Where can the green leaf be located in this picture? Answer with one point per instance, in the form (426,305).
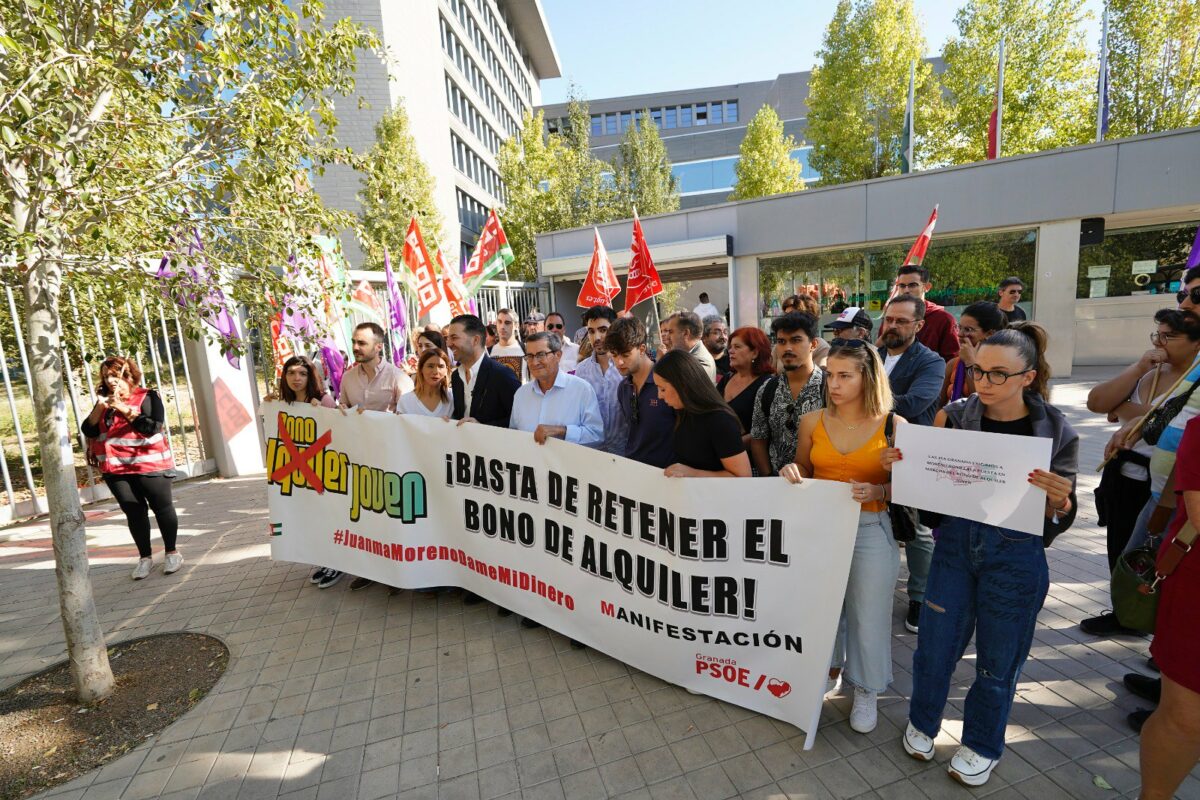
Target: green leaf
(10,138)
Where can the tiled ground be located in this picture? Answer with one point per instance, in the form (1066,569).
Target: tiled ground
(333,694)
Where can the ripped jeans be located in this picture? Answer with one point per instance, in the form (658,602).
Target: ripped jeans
(990,582)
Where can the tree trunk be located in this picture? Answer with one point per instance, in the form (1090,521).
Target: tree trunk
(88,653)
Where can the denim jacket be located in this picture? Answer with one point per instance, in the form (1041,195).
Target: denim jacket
(1048,422)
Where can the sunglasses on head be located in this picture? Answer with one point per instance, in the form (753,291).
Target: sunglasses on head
(1193,293)
(849,344)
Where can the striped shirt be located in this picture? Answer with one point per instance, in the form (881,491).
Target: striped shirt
(1162,462)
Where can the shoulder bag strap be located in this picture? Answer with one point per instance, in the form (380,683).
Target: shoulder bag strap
(1179,547)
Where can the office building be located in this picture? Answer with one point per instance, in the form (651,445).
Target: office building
(466,71)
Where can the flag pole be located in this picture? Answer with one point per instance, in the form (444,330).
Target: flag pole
(1102,85)
(1000,101)
(912,75)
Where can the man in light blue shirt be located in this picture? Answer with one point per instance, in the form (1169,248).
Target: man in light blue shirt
(602,374)
(554,404)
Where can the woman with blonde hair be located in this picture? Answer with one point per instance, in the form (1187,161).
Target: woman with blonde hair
(845,441)
(431,395)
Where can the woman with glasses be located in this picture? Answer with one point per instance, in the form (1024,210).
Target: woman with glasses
(750,365)
(845,442)
(977,322)
(1125,484)
(986,581)
(708,436)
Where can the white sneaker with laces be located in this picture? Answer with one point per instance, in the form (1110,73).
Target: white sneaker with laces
(971,769)
(142,569)
(917,744)
(864,714)
(833,687)
(172,563)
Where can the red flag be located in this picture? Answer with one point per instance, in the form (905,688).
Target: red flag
(601,285)
(643,282)
(416,258)
(280,344)
(492,254)
(452,287)
(916,253)
(364,296)
(991,132)
(996,118)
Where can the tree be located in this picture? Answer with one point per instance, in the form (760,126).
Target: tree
(1154,65)
(1049,80)
(396,185)
(858,92)
(127,129)
(529,165)
(642,172)
(584,193)
(765,166)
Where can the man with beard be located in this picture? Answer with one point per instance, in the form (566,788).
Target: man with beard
(716,340)
(784,399)
(507,350)
(915,373)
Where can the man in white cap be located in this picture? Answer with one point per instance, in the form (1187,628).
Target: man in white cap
(852,323)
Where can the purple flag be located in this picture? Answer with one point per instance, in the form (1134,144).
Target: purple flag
(335,365)
(397,313)
(296,320)
(1194,256)
(199,290)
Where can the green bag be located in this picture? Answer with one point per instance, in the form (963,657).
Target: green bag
(1136,579)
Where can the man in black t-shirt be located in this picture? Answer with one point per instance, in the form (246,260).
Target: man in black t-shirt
(1011,290)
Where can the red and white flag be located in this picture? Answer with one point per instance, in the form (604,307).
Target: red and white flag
(416,258)
(601,285)
(491,257)
(453,289)
(996,118)
(916,254)
(642,282)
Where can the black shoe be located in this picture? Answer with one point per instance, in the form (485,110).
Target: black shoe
(1144,686)
(360,583)
(526,622)
(318,576)
(913,620)
(501,611)
(1106,624)
(1138,718)
(471,599)
(1152,665)
(332,576)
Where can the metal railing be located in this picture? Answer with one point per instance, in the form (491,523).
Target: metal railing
(142,328)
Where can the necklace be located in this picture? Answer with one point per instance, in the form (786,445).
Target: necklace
(847,425)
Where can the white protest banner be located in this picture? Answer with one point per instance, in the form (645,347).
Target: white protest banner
(728,587)
(972,474)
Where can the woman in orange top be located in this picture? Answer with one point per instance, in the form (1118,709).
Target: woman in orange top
(844,442)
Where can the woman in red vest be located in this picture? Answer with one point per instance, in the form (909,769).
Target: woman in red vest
(126,440)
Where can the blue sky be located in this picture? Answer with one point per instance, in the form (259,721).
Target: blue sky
(620,47)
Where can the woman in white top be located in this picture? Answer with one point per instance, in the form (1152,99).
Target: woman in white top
(431,397)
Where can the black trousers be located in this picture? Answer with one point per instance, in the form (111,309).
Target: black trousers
(137,493)
(1129,499)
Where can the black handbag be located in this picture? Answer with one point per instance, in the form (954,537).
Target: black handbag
(904,518)
(1157,420)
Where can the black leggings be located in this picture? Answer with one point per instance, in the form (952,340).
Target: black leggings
(135,493)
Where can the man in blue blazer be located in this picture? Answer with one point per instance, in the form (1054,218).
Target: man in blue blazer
(915,373)
(482,389)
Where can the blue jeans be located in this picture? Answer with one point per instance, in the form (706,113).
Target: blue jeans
(864,637)
(990,582)
(918,553)
(1141,528)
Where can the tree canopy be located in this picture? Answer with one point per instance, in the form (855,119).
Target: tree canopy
(765,166)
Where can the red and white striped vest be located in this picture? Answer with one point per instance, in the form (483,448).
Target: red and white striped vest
(120,450)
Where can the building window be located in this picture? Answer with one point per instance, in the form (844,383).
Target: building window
(731,111)
(552,126)
(716,114)
(701,114)
(595,124)
(963,270)
(656,115)
(626,119)
(610,124)
(1135,261)
(638,120)
(685,116)
(670,118)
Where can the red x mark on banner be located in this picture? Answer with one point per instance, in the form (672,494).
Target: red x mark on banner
(299,460)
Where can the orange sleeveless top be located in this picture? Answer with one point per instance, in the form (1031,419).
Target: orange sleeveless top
(862,465)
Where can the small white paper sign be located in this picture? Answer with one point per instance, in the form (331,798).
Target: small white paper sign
(1099,288)
(1145,267)
(1100,272)
(971,474)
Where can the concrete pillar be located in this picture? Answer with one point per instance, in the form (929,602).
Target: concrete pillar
(225,401)
(1055,279)
(743,291)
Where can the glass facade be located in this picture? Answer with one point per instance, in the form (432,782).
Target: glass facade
(716,174)
(1135,261)
(962,269)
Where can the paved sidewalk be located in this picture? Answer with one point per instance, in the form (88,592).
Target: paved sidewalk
(334,694)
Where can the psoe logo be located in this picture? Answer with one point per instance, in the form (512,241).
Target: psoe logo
(727,670)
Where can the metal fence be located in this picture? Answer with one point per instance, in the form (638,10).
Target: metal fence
(142,328)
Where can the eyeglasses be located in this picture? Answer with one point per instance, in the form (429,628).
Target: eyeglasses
(899,322)
(554,327)
(996,377)
(905,287)
(1163,338)
(1193,293)
(967,330)
(849,344)
(531,357)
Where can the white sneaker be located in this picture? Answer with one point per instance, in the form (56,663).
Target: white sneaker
(971,769)
(917,744)
(172,563)
(833,687)
(864,715)
(142,569)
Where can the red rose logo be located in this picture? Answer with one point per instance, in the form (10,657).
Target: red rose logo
(780,689)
